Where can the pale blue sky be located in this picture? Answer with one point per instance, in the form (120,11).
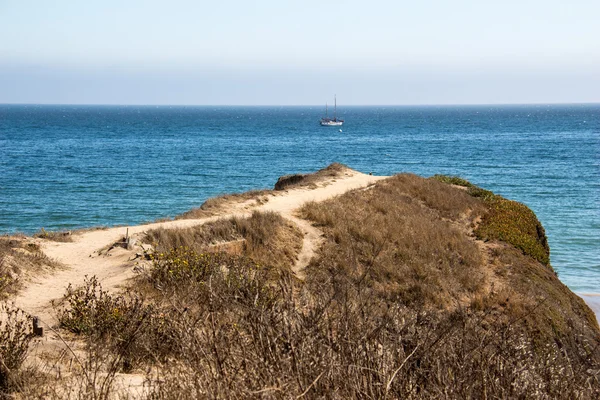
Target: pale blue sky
(299,52)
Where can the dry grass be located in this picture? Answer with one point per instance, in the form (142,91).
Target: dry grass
(397,237)
(55,236)
(265,237)
(218,205)
(450,202)
(18,256)
(303,180)
(531,285)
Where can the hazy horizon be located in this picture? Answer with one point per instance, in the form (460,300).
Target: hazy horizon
(304,105)
(271,53)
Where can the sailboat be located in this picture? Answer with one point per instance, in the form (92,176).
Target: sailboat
(326,121)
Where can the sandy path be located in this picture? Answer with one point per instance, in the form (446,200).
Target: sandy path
(81,257)
(311,242)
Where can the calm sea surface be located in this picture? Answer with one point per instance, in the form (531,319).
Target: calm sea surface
(64,167)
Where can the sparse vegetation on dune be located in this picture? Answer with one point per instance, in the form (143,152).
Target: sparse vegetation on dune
(217,205)
(309,180)
(403,300)
(19,256)
(55,236)
(265,237)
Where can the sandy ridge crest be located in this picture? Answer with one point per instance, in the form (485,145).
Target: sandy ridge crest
(81,257)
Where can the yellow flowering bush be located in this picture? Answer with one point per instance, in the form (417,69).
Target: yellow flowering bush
(218,278)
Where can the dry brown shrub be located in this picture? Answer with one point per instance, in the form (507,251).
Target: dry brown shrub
(334,339)
(15,336)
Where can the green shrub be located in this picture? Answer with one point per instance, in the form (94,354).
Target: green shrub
(515,223)
(452,180)
(480,193)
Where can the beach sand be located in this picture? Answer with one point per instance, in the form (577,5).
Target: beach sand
(592,300)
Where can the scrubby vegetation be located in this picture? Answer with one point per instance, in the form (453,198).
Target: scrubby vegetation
(230,328)
(265,237)
(304,180)
(403,300)
(15,336)
(56,236)
(126,325)
(18,257)
(216,205)
(508,221)
(453,180)
(514,223)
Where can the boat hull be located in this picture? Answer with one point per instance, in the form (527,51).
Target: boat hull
(332,123)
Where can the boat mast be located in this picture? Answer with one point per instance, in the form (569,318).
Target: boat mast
(334,107)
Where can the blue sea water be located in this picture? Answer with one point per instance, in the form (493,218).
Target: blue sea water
(64,167)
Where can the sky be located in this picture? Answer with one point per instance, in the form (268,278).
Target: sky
(267,52)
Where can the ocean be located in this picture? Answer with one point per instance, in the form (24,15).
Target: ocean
(67,167)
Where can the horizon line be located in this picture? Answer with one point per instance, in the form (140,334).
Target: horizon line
(303,105)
